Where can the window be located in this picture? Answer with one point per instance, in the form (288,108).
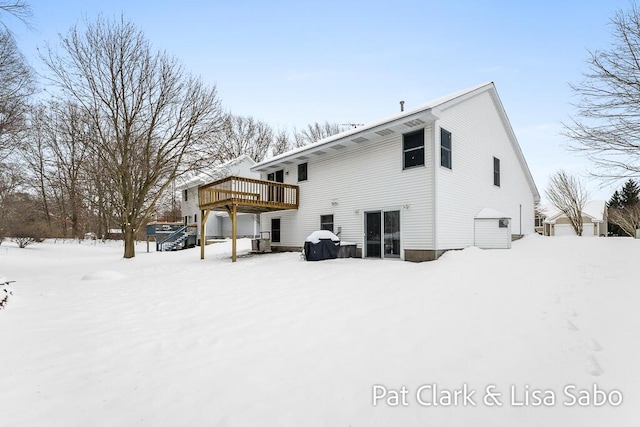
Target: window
(539,221)
(185,195)
(326,222)
(445,148)
(503,223)
(413,149)
(276,193)
(275,230)
(302,172)
(277,176)
(496,172)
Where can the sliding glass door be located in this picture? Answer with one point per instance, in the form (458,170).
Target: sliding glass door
(392,234)
(382,231)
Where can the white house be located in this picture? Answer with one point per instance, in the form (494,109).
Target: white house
(594,220)
(219,224)
(412,185)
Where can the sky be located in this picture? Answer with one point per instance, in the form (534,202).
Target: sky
(290,63)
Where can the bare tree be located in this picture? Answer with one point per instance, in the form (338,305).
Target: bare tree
(281,143)
(607,128)
(11,180)
(627,218)
(67,129)
(315,132)
(16,8)
(16,86)
(243,135)
(36,157)
(149,117)
(102,202)
(567,193)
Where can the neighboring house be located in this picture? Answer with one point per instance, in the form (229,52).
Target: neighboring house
(540,216)
(413,185)
(594,220)
(219,224)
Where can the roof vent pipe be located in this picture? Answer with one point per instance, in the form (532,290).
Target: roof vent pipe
(401,106)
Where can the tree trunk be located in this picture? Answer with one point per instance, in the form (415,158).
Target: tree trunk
(129,241)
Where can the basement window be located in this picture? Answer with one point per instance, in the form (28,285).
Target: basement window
(326,222)
(413,149)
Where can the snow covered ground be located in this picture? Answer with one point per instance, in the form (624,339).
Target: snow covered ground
(165,339)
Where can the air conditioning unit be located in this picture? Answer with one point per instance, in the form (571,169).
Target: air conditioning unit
(265,241)
(263,244)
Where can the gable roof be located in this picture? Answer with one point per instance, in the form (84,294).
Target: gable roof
(400,123)
(549,211)
(594,209)
(213,173)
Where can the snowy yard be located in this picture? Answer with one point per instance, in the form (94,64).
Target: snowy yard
(91,339)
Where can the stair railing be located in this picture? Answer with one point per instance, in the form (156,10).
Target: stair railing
(160,246)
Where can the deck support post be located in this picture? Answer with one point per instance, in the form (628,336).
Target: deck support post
(234,230)
(203,228)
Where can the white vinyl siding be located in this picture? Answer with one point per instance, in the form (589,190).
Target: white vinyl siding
(245,225)
(362,177)
(480,135)
(489,235)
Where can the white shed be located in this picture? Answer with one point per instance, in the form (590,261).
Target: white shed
(492,229)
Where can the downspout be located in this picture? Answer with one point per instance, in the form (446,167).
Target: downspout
(434,192)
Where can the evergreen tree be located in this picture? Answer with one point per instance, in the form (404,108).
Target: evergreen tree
(615,200)
(629,194)
(623,209)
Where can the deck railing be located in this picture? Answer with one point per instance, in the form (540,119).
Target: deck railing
(248,192)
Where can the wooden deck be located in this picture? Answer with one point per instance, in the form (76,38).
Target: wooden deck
(236,194)
(248,195)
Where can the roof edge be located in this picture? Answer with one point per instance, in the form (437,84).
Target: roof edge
(435,103)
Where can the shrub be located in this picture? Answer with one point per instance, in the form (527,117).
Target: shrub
(27,235)
(23,241)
